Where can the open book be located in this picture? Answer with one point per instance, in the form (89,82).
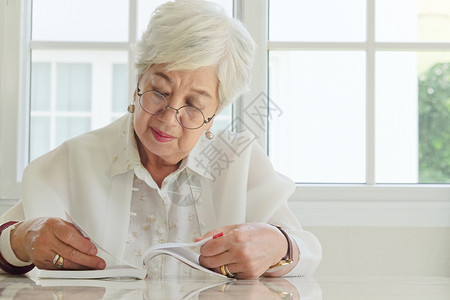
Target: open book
(122,270)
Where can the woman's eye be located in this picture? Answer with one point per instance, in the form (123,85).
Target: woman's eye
(161,92)
(189,103)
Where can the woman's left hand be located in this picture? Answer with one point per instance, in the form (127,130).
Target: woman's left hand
(247,250)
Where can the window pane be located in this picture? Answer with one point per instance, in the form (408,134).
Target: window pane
(412,117)
(145,9)
(40,86)
(319,20)
(73,86)
(320,135)
(80,20)
(434,121)
(119,87)
(68,127)
(83,87)
(418,20)
(39,136)
(396,117)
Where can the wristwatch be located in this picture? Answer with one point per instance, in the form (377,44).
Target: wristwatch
(287,259)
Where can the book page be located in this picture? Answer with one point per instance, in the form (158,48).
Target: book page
(180,252)
(185,256)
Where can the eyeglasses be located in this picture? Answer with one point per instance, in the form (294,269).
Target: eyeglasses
(188,116)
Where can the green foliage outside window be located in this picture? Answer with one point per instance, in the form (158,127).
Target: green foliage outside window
(434,125)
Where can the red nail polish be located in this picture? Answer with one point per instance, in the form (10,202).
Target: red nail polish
(217,235)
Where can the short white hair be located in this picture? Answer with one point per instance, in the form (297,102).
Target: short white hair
(189,34)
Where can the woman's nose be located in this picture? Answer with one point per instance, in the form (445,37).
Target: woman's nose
(169,115)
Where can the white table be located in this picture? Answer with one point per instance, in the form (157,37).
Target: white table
(318,288)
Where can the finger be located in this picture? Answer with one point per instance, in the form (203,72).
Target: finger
(70,235)
(208,234)
(70,265)
(216,261)
(233,268)
(215,247)
(76,257)
(47,261)
(237,271)
(241,271)
(223,230)
(222,244)
(74,247)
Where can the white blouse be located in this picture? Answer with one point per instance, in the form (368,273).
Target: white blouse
(160,216)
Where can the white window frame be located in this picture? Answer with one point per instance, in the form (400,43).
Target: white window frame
(366,204)
(10,94)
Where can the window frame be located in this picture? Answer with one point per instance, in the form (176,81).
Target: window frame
(11,16)
(350,204)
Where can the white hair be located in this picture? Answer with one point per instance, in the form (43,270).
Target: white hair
(189,34)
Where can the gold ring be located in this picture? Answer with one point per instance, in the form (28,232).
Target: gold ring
(224,270)
(60,262)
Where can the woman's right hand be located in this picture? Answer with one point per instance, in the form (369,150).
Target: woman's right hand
(39,240)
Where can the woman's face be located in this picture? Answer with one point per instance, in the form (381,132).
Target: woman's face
(161,135)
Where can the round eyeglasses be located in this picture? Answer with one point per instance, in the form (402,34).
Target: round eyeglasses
(188,116)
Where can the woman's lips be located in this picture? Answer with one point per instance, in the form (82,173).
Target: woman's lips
(161,136)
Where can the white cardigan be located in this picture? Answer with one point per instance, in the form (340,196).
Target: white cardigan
(91,177)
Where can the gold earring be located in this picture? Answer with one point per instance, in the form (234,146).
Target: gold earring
(209,134)
(130,108)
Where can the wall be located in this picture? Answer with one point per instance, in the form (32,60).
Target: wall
(376,238)
(384,251)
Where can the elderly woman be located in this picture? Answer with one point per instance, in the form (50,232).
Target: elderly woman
(153,176)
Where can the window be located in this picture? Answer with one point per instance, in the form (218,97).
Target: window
(364,89)
(73,92)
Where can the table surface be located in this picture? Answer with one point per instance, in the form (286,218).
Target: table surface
(210,287)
